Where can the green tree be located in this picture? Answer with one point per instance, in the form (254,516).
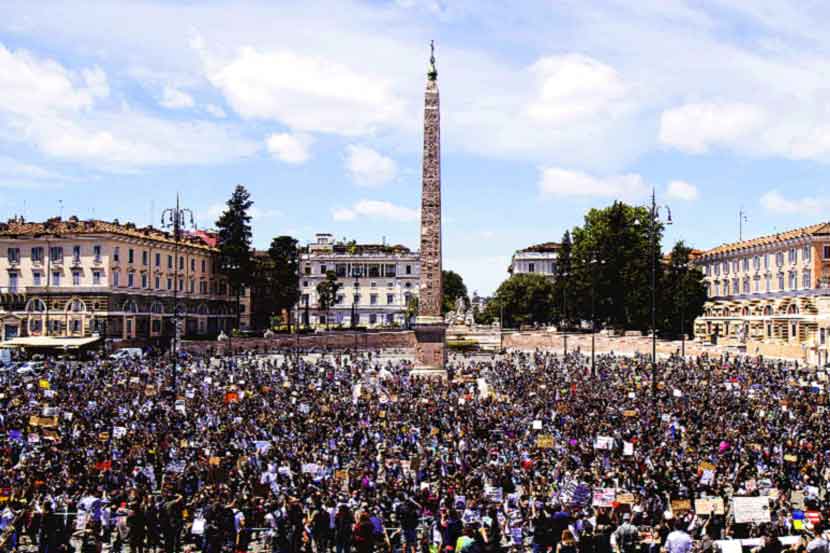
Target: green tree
(284,257)
(411,310)
(523,299)
(327,293)
(454,288)
(235,258)
(563,290)
(611,262)
(683,292)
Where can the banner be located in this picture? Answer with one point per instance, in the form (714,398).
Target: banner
(544,441)
(604,442)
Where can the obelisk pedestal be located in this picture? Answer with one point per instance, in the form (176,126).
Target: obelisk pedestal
(430,330)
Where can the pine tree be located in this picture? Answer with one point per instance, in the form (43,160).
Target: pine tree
(235,258)
(285,273)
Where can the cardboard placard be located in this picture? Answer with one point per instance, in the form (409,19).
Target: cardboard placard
(604,497)
(681,506)
(214,461)
(626,498)
(544,441)
(709,506)
(630,413)
(43,384)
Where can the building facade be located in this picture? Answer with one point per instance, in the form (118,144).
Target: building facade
(377,283)
(770,295)
(539,259)
(78,278)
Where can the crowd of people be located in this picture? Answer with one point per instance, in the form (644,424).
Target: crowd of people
(346,452)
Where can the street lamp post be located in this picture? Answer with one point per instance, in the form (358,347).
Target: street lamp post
(594,260)
(654,218)
(176,218)
(565,312)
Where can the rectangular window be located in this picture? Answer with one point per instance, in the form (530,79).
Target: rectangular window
(339,299)
(806,282)
(779,259)
(169,283)
(158,260)
(56,254)
(735,286)
(717,269)
(76,278)
(768,282)
(793,280)
(192,265)
(322,269)
(807,253)
(96,278)
(373,319)
(746,286)
(390,270)
(827,251)
(14,255)
(181,285)
(756,262)
(757,284)
(781,281)
(390,299)
(130,256)
(307,269)
(158,283)
(37,255)
(531,267)
(793,255)
(409,269)
(726,267)
(116,253)
(340,270)
(96,252)
(56,278)
(746,263)
(204,266)
(12,282)
(373,299)
(181,263)
(169,261)
(116,279)
(130,280)
(355,299)
(76,254)
(143,280)
(36,278)
(192,286)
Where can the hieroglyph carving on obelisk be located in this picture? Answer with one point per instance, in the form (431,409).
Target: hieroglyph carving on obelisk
(431,287)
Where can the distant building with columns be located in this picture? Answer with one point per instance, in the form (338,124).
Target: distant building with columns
(378,281)
(770,295)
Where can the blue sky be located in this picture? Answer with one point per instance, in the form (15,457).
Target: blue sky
(548,108)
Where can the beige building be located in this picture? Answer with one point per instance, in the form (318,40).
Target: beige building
(76,278)
(377,283)
(770,295)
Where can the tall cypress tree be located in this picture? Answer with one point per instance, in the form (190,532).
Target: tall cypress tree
(285,273)
(235,257)
(563,289)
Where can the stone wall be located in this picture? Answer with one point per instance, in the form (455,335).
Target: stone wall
(620,344)
(404,339)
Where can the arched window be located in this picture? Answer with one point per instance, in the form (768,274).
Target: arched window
(130,307)
(745,312)
(792,310)
(157,308)
(202,309)
(75,305)
(35,305)
(768,311)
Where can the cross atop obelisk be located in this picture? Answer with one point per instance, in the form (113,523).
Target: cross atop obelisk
(430,333)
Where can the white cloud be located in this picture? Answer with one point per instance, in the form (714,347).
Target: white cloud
(775,202)
(216,111)
(64,115)
(367,167)
(290,148)
(574,87)
(558,182)
(375,209)
(173,98)
(307,93)
(682,190)
(214,211)
(694,128)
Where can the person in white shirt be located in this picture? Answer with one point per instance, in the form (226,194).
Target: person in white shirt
(678,541)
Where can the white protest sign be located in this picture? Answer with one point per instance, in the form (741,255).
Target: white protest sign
(604,497)
(751,509)
(604,442)
(537,425)
(628,449)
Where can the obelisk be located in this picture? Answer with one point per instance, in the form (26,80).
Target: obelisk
(430,331)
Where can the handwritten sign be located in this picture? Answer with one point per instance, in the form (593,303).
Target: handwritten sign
(710,506)
(604,442)
(680,506)
(751,510)
(626,498)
